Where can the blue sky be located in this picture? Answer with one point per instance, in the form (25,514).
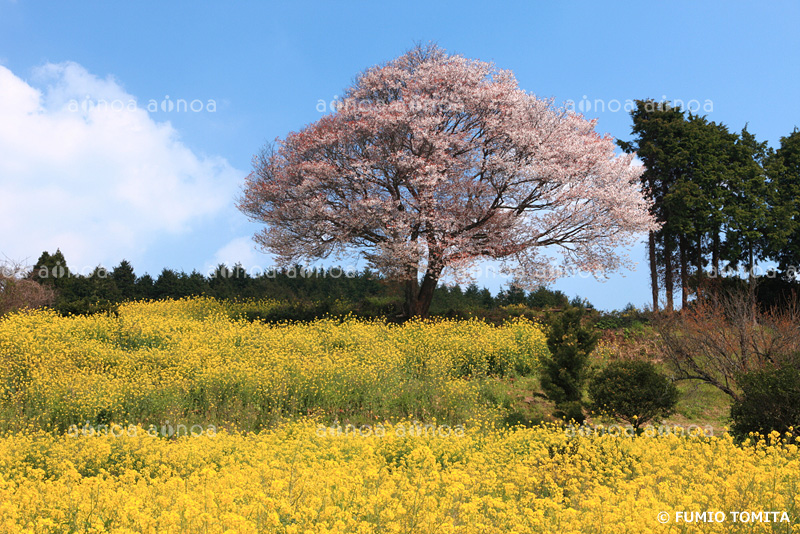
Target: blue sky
(156,186)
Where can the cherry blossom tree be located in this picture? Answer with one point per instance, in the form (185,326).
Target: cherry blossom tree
(431,163)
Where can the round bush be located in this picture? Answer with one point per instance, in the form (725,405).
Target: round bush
(770,401)
(632,391)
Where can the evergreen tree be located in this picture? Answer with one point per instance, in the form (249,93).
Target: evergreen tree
(220,282)
(145,287)
(659,131)
(784,238)
(545,298)
(748,207)
(511,296)
(195,284)
(699,197)
(487,301)
(103,287)
(565,371)
(125,280)
(633,391)
(703,181)
(167,285)
(52,270)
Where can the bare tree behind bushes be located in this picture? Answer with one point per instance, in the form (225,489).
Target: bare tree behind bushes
(725,334)
(18,292)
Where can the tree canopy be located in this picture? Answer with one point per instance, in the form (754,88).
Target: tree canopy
(724,199)
(432,162)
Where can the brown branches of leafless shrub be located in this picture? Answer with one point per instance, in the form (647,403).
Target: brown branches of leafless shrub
(725,334)
(17,292)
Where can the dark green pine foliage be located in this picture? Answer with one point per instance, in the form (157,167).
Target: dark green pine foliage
(709,190)
(125,280)
(168,285)
(770,401)
(749,207)
(565,371)
(700,195)
(306,292)
(145,287)
(51,269)
(633,391)
(783,167)
(660,143)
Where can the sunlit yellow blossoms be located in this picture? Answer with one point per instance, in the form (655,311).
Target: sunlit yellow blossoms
(180,417)
(194,362)
(292,480)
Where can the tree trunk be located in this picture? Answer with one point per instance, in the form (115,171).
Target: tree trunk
(419,296)
(715,255)
(426,290)
(698,260)
(412,290)
(669,281)
(653,270)
(684,259)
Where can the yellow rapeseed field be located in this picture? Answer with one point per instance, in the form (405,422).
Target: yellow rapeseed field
(194,361)
(303,478)
(180,417)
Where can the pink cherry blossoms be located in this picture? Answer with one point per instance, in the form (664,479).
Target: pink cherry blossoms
(433,162)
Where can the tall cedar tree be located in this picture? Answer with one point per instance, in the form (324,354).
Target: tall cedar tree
(708,189)
(784,239)
(748,210)
(659,129)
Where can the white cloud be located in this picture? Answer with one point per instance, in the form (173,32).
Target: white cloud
(83,168)
(242,250)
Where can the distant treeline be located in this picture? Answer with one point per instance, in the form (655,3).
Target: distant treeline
(307,293)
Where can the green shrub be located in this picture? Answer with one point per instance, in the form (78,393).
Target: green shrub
(632,391)
(564,372)
(770,401)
